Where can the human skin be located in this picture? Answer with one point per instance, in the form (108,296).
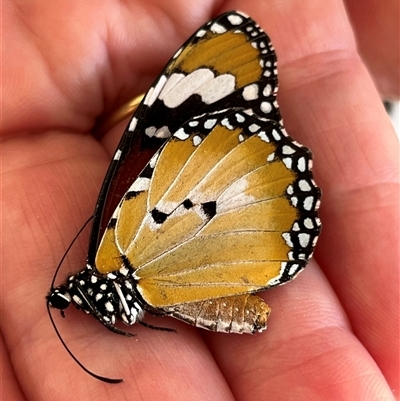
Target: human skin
(333,332)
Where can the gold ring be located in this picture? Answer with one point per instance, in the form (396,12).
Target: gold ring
(120,114)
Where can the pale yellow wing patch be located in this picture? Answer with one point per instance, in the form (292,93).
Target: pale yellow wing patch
(212,149)
(254,187)
(245,157)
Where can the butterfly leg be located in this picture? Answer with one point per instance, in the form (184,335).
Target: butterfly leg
(236,314)
(150,326)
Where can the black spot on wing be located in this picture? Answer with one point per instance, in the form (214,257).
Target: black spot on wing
(187,204)
(210,209)
(158,217)
(131,194)
(112,224)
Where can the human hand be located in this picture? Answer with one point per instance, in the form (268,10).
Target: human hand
(333,332)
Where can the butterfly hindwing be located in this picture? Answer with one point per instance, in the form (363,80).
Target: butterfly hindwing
(237,213)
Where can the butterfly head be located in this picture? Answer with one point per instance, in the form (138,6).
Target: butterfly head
(59,298)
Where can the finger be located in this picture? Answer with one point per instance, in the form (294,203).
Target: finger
(376,27)
(10,389)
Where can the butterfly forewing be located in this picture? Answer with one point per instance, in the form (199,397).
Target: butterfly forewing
(228,63)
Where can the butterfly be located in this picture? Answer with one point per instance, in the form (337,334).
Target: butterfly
(207,200)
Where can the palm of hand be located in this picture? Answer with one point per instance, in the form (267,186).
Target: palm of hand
(331,334)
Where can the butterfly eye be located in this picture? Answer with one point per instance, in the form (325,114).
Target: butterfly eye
(59,298)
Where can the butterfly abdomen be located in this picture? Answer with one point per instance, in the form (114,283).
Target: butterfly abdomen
(238,314)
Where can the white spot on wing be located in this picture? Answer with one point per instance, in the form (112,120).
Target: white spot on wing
(140,184)
(210,123)
(239,118)
(172,81)
(266,107)
(308,223)
(235,19)
(263,136)
(117,155)
(308,203)
(186,87)
(225,122)
(217,28)
(150,131)
(288,239)
(250,92)
(304,239)
(288,162)
(181,134)
(218,88)
(287,150)
(301,164)
(293,269)
(196,140)
(254,127)
(132,124)
(276,135)
(304,185)
(163,132)
(267,90)
(153,93)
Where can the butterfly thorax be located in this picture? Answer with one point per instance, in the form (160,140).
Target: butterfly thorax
(108,297)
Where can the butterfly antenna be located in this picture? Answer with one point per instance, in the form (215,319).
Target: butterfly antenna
(101,378)
(68,249)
